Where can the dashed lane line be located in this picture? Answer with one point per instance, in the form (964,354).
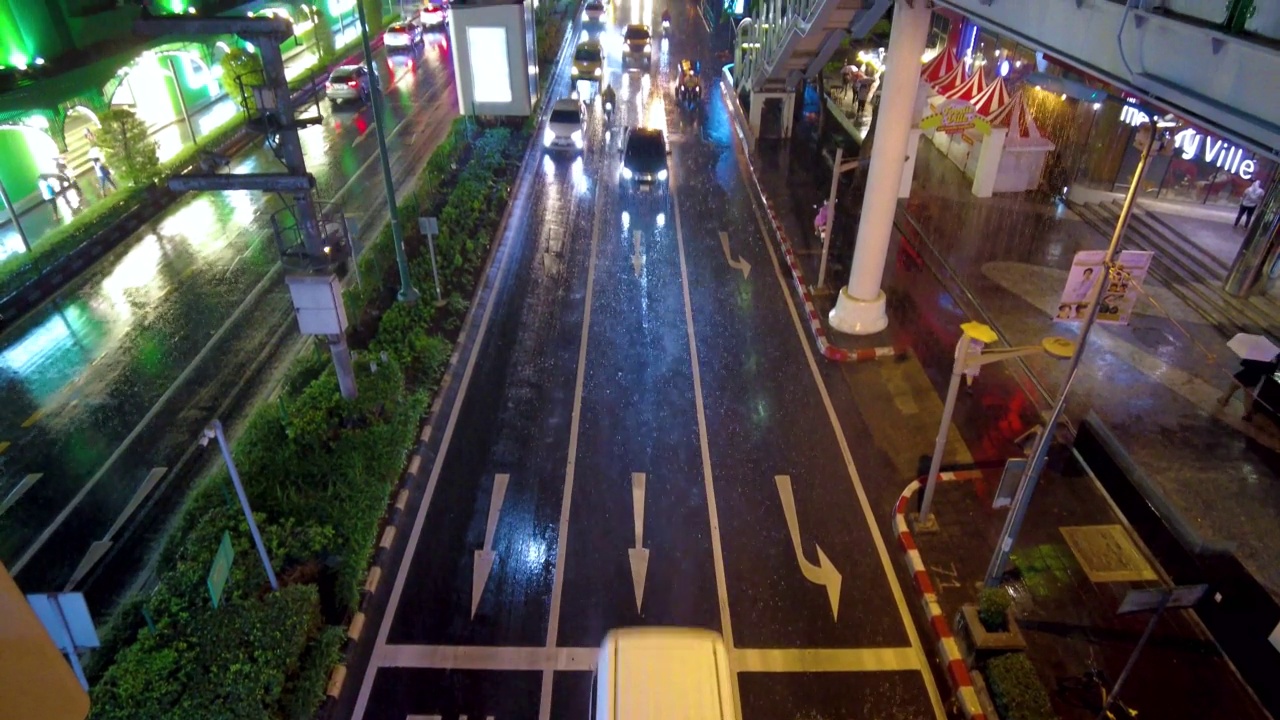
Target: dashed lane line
(583,659)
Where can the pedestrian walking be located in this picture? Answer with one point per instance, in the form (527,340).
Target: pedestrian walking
(104,176)
(89,136)
(1249,202)
(846,79)
(95,154)
(864,92)
(1250,377)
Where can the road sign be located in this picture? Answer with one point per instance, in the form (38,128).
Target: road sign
(220,570)
(1013,469)
(1182,596)
(429,225)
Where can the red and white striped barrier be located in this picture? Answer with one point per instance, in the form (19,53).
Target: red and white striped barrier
(956,669)
(828,350)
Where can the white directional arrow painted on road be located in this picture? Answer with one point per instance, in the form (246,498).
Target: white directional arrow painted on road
(824,573)
(637,257)
(484,557)
(639,555)
(19,491)
(739,264)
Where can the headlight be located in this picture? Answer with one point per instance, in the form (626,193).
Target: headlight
(547,137)
(646,47)
(575,70)
(662,174)
(597,72)
(626,172)
(576,137)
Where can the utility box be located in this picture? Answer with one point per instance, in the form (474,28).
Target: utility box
(317,301)
(495,57)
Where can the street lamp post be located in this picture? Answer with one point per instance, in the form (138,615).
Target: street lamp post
(13,215)
(837,169)
(1035,464)
(407,292)
(965,361)
(214,431)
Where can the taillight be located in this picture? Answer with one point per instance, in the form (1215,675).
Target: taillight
(353,83)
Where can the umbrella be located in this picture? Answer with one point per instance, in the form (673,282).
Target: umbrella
(1253,347)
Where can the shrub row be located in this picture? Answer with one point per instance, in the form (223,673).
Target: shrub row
(319,471)
(1016,689)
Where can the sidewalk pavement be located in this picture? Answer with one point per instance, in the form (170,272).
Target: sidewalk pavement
(1068,619)
(39,218)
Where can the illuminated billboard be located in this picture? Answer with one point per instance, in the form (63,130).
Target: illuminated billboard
(495,63)
(490,67)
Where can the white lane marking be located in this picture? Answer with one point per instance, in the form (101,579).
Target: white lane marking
(562,534)
(505,247)
(824,573)
(100,547)
(741,263)
(583,659)
(484,557)
(713,515)
(248,302)
(637,257)
(19,491)
(859,490)
(638,555)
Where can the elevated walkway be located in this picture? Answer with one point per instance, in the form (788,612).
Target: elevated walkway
(1222,82)
(789,43)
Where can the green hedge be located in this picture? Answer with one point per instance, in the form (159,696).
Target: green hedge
(1016,689)
(319,471)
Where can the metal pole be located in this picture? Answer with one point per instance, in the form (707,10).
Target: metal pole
(957,372)
(1035,465)
(182,101)
(407,292)
(216,425)
(435,274)
(13,215)
(342,366)
(1133,656)
(831,217)
(73,655)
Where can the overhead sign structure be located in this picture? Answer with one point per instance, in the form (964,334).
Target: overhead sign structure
(1119,288)
(495,48)
(954,117)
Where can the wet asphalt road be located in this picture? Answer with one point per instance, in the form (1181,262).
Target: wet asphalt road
(640,432)
(116,377)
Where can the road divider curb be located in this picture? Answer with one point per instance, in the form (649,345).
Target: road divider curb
(956,670)
(828,349)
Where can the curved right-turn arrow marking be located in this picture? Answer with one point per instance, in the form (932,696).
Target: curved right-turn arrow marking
(484,557)
(739,264)
(824,573)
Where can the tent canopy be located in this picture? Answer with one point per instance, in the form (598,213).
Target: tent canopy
(951,82)
(939,67)
(1023,133)
(971,89)
(993,99)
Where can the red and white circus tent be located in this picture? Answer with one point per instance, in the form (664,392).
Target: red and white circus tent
(991,100)
(939,67)
(971,89)
(951,82)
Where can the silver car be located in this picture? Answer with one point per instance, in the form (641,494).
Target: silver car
(347,83)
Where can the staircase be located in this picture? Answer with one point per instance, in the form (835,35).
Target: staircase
(793,39)
(1192,274)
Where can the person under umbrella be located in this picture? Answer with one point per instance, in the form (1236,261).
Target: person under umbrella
(1249,377)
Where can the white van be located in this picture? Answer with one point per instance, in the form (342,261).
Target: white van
(663,673)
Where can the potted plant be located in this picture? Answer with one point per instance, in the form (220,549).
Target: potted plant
(990,623)
(1016,689)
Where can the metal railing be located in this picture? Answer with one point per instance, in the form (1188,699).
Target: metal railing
(769,36)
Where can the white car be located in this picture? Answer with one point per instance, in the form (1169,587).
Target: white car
(402,35)
(432,14)
(566,127)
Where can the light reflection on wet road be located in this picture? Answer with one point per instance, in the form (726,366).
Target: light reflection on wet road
(639,393)
(79,374)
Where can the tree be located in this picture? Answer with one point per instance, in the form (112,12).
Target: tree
(241,72)
(373,16)
(322,36)
(130,150)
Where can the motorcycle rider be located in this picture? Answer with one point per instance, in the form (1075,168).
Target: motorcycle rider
(608,99)
(666,19)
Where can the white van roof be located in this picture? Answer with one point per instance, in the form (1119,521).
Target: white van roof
(664,674)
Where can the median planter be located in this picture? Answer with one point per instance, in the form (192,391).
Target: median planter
(989,626)
(1016,690)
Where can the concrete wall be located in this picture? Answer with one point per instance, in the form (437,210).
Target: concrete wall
(1227,85)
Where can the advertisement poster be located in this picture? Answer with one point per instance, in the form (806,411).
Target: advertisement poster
(1119,291)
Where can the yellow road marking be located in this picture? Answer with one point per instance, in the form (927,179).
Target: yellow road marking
(4,445)
(35,417)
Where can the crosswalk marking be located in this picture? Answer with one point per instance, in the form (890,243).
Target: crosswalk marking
(583,659)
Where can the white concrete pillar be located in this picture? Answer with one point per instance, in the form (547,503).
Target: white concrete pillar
(909,168)
(788,114)
(753,113)
(860,307)
(984,176)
